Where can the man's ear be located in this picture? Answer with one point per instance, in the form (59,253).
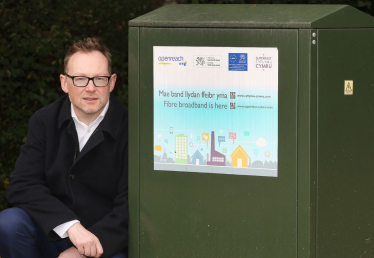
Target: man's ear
(64,83)
(112,81)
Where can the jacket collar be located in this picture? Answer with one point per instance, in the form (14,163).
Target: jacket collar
(111,122)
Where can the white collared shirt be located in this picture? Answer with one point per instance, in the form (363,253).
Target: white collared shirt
(84,133)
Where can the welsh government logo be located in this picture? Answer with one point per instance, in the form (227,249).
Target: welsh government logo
(200,61)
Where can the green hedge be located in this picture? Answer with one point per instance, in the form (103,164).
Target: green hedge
(34,35)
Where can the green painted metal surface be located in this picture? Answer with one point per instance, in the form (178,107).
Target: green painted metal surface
(320,205)
(306,144)
(209,215)
(255,16)
(133,167)
(345,185)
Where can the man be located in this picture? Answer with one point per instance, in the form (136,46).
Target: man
(69,186)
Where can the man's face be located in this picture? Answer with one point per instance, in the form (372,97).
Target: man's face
(89,101)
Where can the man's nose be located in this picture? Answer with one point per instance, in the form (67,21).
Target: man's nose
(90,86)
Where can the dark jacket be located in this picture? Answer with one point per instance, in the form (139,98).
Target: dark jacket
(55,183)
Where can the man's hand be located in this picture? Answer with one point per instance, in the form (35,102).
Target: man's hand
(86,243)
(72,252)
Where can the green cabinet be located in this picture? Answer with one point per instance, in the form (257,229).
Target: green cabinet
(320,203)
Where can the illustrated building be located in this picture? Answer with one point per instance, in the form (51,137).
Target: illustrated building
(239,158)
(197,158)
(216,158)
(181,149)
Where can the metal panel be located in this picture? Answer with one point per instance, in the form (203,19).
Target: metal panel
(284,16)
(307,143)
(345,144)
(211,215)
(134,142)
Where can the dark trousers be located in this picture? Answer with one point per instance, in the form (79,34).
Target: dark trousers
(21,237)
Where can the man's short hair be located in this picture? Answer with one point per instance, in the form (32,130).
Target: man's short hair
(87,45)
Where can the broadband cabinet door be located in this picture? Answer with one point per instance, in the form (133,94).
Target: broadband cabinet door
(217,147)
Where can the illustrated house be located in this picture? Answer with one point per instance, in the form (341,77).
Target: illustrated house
(181,147)
(216,158)
(197,158)
(239,158)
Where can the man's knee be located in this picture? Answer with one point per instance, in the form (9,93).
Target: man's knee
(15,221)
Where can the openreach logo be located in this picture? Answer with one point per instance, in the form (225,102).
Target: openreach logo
(170,58)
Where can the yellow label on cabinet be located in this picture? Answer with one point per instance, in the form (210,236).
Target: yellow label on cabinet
(348,87)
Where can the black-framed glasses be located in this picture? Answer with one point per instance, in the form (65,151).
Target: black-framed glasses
(82,81)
